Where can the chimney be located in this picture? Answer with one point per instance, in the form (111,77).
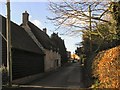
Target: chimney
(44,30)
(25,17)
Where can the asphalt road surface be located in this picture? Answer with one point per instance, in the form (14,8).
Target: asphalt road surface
(68,77)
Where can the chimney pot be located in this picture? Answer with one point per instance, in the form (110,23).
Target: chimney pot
(45,30)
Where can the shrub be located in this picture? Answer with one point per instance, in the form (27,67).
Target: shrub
(107,68)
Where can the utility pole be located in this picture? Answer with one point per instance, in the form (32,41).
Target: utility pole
(90,28)
(9,54)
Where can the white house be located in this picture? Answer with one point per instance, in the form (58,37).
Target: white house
(52,58)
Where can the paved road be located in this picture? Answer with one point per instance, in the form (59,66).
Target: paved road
(68,77)
(65,78)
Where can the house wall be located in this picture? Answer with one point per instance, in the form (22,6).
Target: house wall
(26,63)
(0,53)
(4,44)
(4,52)
(52,60)
(57,58)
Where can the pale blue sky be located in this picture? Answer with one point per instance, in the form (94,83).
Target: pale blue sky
(38,12)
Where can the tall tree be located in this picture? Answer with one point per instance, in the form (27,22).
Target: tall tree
(74,14)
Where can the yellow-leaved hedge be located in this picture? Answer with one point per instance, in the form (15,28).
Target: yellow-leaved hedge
(106,68)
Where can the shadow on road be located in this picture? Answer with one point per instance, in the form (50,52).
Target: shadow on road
(69,77)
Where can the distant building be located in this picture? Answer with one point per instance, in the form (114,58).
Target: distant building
(69,55)
(79,51)
(61,46)
(52,57)
(75,56)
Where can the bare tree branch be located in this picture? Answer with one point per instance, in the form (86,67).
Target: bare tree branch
(74,14)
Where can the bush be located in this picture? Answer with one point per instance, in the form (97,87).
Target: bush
(4,75)
(106,67)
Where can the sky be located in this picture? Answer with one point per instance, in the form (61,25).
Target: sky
(38,13)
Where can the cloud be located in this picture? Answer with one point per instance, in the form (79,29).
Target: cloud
(36,22)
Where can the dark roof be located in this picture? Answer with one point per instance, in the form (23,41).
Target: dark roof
(61,45)
(20,39)
(42,37)
(59,42)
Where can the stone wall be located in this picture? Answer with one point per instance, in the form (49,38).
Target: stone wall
(52,60)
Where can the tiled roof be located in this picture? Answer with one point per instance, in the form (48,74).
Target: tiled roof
(60,44)
(42,37)
(20,39)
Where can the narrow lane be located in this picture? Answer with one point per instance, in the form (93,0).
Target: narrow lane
(68,77)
